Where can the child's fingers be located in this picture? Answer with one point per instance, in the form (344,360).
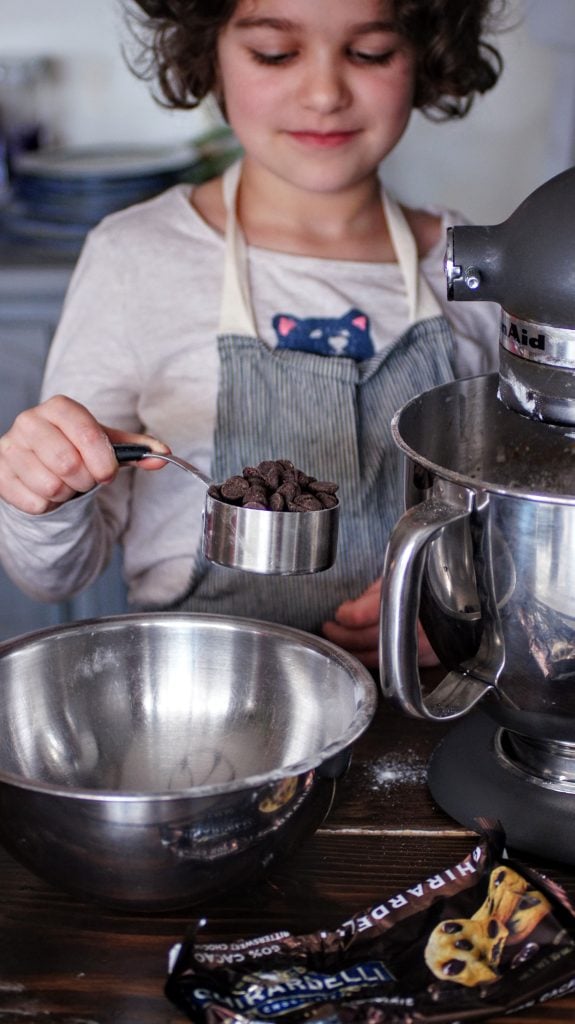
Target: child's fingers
(362,611)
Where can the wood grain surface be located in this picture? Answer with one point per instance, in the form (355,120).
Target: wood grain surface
(66,961)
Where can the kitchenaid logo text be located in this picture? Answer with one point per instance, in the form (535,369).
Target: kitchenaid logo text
(511,332)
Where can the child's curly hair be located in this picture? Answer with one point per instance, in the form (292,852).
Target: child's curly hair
(454,60)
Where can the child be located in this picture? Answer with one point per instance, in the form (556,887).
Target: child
(284,311)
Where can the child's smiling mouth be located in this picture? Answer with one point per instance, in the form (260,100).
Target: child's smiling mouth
(323,140)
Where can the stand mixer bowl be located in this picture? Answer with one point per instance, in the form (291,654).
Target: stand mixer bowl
(487,562)
(484,557)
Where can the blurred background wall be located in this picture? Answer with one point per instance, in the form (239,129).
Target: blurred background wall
(515,137)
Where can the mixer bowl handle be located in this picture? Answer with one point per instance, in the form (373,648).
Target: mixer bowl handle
(458,692)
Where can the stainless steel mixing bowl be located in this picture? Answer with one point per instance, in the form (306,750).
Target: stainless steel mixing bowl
(148,761)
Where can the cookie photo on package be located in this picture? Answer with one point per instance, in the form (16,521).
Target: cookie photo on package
(485,936)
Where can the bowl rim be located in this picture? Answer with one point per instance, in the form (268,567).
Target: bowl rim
(366,704)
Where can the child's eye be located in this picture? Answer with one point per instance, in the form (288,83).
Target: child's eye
(271,58)
(380,58)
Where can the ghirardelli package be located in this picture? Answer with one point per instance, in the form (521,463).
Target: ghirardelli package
(482,937)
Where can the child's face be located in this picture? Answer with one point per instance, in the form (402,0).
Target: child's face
(317,91)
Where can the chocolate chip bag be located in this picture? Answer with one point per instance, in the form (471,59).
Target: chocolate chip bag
(484,937)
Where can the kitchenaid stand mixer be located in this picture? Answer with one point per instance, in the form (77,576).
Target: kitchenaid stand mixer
(485,553)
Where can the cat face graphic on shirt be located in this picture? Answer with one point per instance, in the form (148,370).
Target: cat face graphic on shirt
(347,335)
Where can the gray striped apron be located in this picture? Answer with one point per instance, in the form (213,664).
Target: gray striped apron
(331,416)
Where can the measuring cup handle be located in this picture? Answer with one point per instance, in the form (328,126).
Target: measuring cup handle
(131,452)
(456,694)
(135,452)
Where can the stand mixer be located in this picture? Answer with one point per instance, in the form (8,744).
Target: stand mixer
(485,553)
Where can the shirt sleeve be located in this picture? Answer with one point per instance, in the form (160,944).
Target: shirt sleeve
(53,556)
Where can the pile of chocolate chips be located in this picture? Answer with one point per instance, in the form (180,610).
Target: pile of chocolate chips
(276,486)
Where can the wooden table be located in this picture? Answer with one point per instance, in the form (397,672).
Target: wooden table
(65,961)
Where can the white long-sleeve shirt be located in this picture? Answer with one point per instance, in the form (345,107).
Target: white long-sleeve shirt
(137,345)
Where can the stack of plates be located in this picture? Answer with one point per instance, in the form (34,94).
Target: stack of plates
(57,195)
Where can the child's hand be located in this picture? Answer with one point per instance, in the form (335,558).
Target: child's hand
(356,629)
(57,450)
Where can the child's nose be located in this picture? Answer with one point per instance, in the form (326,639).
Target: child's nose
(324,87)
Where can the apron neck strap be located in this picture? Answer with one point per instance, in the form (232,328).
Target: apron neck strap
(236,312)
(421,301)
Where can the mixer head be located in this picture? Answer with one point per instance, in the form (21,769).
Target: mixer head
(527,265)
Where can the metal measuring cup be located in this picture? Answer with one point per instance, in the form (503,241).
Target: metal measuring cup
(256,540)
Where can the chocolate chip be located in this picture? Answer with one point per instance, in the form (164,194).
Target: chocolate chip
(325,486)
(270,473)
(307,503)
(277,486)
(256,493)
(289,490)
(453,967)
(528,901)
(265,467)
(451,927)
(464,944)
(327,500)
(234,488)
(304,480)
(252,474)
(287,469)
